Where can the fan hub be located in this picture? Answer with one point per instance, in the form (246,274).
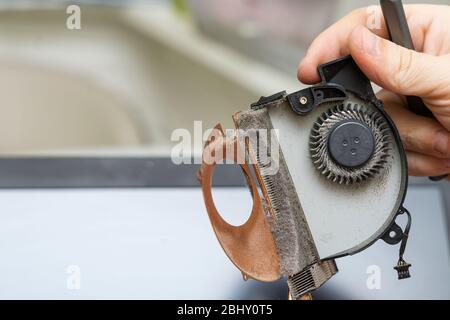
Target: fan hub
(351,143)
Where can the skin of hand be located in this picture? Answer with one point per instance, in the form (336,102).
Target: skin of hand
(400,72)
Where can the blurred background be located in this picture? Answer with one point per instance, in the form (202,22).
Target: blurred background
(119,86)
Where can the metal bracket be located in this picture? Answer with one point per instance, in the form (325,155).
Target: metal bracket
(306,100)
(263,101)
(395,235)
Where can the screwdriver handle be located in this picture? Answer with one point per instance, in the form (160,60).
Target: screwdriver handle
(398,29)
(396,23)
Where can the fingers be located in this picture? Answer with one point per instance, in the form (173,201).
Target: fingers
(429,25)
(423,165)
(398,69)
(419,134)
(404,71)
(420,137)
(333,43)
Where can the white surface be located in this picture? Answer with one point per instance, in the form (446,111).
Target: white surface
(345,216)
(128,244)
(158,243)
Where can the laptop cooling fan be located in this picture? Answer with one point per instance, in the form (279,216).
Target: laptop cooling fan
(328,175)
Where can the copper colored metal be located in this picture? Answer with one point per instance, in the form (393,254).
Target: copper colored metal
(251,246)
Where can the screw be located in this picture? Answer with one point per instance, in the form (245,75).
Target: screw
(303,100)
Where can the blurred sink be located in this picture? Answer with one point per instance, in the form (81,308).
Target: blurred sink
(118,82)
(45,109)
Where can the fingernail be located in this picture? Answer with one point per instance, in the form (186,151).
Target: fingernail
(442,143)
(370,43)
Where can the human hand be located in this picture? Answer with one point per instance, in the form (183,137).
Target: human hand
(400,72)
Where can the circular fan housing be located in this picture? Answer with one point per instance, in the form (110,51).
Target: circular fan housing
(350,143)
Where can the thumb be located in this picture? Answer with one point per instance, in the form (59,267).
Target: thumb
(398,69)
